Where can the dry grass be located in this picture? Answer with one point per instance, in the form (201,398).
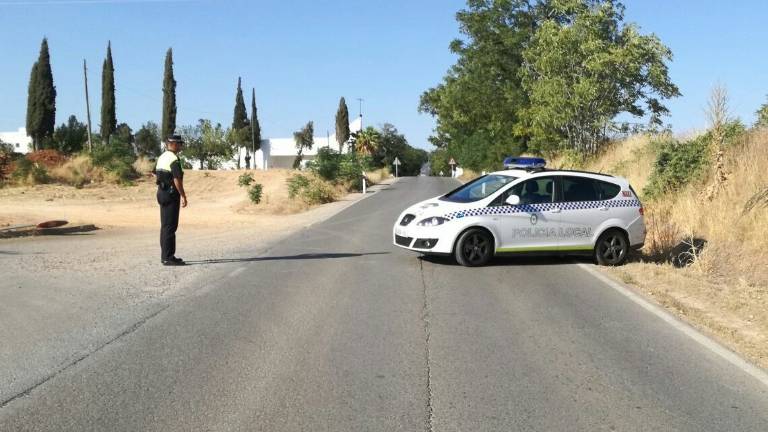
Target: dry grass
(78,171)
(378,175)
(468,175)
(725,289)
(214,196)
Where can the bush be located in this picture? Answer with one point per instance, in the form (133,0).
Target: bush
(311,190)
(245,180)
(30,172)
(117,159)
(343,169)
(296,185)
(677,164)
(254,193)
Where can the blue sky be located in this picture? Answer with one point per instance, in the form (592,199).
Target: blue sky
(302,55)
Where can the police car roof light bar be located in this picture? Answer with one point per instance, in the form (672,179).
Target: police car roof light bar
(526,163)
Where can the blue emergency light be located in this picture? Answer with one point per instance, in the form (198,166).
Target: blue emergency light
(527,163)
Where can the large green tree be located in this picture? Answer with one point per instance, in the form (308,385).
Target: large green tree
(70,137)
(304,139)
(342,124)
(587,67)
(541,75)
(147,140)
(240,123)
(108,111)
(477,106)
(41,99)
(206,143)
(169,98)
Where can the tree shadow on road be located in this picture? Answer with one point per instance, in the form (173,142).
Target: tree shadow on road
(307,256)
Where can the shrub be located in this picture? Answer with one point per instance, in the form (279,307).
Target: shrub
(343,169)
(117,159)
(244,180)
(312,190)
(30,172)
(296,184)
(254,193)
(326,165)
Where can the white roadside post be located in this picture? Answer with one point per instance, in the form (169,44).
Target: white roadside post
(396,163)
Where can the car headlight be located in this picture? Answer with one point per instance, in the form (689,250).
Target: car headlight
(433,221)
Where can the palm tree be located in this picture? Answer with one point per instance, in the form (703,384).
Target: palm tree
(367,141)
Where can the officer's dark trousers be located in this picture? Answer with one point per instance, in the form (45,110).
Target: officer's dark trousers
(169,222)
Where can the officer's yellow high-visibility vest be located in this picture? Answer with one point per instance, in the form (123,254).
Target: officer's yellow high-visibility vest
(165,160)
(163,170)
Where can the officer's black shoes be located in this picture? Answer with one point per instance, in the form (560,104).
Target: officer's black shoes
(178,260)
(174,263)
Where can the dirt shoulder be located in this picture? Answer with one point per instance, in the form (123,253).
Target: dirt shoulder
(734,314)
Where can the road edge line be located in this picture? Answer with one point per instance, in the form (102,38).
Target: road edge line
(707,342)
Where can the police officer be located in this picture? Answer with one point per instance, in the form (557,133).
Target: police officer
(171,197)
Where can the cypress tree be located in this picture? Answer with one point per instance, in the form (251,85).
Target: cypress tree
(108,115)
(34,111)
(255,127)
(41,99)
(239,120)
(342,124)
(169,98)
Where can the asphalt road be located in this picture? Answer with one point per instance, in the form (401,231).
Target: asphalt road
(337,330)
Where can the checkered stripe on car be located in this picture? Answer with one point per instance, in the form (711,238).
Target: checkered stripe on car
(535,208)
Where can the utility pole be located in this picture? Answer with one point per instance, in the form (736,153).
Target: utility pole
(360,101)
(87,106)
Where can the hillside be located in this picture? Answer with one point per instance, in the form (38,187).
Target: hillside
(721,283)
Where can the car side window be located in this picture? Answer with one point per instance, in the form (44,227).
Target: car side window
(579,189)
(535,191)
(606,190)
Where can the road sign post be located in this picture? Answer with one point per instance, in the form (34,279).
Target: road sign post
(452,163)
(396,163)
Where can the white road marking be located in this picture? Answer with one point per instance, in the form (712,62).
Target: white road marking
(685,328)
(236,272)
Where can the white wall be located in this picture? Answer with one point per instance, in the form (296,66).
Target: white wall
(19,139)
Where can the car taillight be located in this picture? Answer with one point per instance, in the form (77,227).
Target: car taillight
(642,212)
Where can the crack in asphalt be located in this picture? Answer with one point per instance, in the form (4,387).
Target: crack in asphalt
(135,326)
(425,312)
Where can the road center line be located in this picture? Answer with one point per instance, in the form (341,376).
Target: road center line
(685,328)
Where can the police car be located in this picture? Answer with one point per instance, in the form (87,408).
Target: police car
(527,209)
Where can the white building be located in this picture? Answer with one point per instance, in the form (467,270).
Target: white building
(19,140)
(281,152)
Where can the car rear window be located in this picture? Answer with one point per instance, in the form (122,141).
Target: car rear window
(607,190)
(579,189)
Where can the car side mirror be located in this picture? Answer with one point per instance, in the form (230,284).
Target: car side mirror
(513,200)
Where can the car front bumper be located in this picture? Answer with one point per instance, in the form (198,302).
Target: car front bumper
(428,240)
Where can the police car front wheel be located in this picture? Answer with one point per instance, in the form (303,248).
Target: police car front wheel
(612,248)
(474,248)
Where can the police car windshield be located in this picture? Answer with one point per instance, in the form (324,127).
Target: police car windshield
(479,188)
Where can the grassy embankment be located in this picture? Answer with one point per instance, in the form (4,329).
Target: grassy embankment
(721,287)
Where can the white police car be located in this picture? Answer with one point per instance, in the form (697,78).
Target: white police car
(527,208)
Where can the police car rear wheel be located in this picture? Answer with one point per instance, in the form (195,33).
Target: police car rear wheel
(474,248)
(612,248)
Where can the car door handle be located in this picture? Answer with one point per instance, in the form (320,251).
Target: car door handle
(555,210)
(603,208)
